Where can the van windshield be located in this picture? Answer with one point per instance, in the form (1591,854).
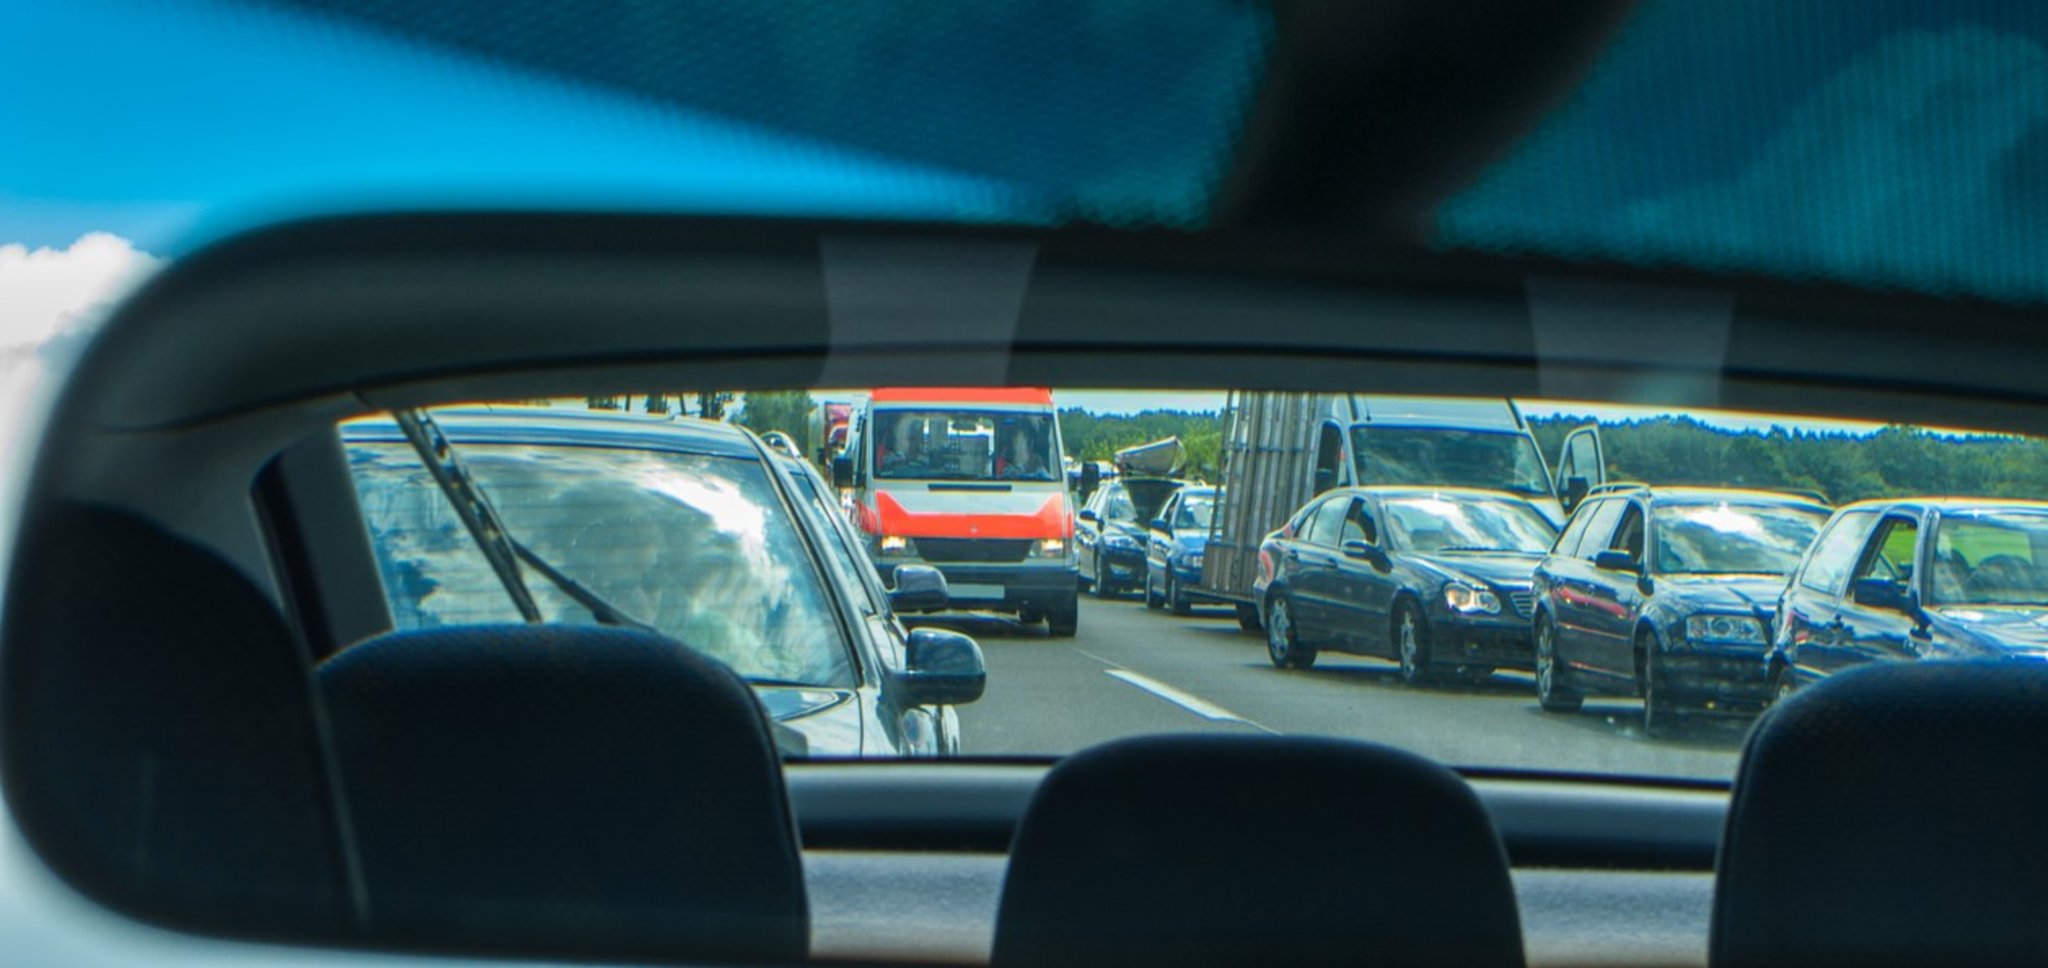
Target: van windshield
(1449,457)
(964,445)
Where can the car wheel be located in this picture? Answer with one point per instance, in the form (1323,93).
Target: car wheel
(1176,599)
(1283,646)
(1660,714)
(1552,693)
(1782,685)
(1064,622)
(1153,600)
(1248,619)
(1101,584)
(1411,644)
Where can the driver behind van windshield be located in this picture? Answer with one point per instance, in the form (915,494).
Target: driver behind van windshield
(963,445)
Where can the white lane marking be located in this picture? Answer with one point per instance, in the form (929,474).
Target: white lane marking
(1192,703)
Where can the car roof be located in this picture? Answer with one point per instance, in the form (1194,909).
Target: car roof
(1695,494)
(1417,490)
(685,435)
(1950,504)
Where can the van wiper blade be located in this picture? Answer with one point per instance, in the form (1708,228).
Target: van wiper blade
(488,530)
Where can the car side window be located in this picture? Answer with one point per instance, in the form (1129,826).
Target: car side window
(1358,525)
(1600,530)
(1890,552)
(1330,521)
(1834,553)
(1629,537)
(1575,530)
(1119,506)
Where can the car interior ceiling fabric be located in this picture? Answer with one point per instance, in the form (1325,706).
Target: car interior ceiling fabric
(161,749)
(1210,850)
(1890,815)
(539,788)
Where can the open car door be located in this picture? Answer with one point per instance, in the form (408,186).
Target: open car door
(1581,466)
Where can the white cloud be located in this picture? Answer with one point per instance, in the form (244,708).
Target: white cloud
(45,292)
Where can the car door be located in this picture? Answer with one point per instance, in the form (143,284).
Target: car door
(1088,529)
(1581,466)
(1574,580)
(1313,563)
(1868,633)
(1615,598)
(1809,616)
(1159,541)
(1364,587)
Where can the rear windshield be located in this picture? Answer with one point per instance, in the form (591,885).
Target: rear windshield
(697,546)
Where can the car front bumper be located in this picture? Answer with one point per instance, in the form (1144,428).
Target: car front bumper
(1500,641)
(1002,587)
(1734,676)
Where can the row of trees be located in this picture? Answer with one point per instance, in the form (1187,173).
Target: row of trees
(1098,436)
(1892,462)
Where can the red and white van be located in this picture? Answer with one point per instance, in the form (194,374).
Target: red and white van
(971,482)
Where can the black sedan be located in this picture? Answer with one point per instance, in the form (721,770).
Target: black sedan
(1110,532)
(1910,579)
(1434,578)
(695,530)
(1668,594)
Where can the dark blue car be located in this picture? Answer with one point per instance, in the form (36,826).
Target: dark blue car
(1173,549)
(1109,532)
(1916,578)
(1434,578)
(1667,594)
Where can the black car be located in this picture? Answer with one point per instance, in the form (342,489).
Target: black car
(695,529)
(1667,594)
(1916,578)
(1110,531)
(1435,578)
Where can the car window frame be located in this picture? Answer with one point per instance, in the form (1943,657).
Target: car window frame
(1327,508)
(1879,537)
(1852,518)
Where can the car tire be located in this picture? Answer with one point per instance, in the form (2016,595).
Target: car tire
(1283,646)
(1101,582)
(1661,716)
(1553,691)
(1412,645)
(1065,621)
(1248,619)
(1176,599)
(1153,600)
(1783,684)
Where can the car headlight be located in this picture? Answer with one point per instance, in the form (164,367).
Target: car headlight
(894,546)
(1194,561)
(1471,601)
(1049,548)
(1120,542)
(1733,629)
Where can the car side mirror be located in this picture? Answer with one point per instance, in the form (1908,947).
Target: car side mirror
(1159,524)
(1575,491)
(1883,593)
(1089,516)
(842,473)
(941,668)
(919,588)
(1615,560)
(1368,553)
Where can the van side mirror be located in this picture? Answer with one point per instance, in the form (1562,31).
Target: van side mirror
(941,668)
(842,473)
(1615,560)
(1325,479)
(919,588)
(1884,593)
(1575,490)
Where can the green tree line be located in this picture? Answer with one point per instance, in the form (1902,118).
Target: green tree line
(1098,436)
(1892,462)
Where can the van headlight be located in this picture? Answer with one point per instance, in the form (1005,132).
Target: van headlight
(1730,629)
(1467,600)
(1049,548)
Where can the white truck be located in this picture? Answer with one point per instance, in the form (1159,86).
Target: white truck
(1281,449)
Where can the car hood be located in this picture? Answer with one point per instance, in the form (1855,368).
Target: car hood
(1499,569)
(1736,594)
(2002,628)
(1129,529)
(812,721)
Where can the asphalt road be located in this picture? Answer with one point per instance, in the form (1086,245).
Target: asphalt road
(1131,671)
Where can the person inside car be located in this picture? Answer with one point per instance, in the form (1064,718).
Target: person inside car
(1021,459)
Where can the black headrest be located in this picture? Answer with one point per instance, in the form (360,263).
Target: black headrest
(1213,850)
(160,748)
(1892,814)
(549,788)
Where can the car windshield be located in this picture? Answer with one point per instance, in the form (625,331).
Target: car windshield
(1450,457)
(964,445)
(1732,539)
(699,547)
(1195,512)
(1442,523)
(1991,557)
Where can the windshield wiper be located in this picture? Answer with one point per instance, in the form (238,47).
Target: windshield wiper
(503,552)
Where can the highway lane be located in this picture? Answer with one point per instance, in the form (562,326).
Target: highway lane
(1132,671)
